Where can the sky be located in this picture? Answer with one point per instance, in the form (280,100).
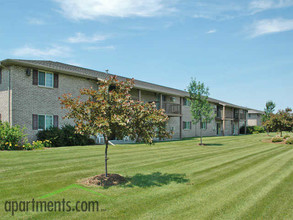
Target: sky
(242,50)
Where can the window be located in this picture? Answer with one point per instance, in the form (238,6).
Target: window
(46,79)
(164,98)
(186,102)
(45,122)
(187,125)
(203,125)
(172,99)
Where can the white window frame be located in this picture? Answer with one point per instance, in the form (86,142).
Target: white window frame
(46,72)
(46,122)
(204,125)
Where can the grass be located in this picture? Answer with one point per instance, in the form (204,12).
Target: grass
(237,177)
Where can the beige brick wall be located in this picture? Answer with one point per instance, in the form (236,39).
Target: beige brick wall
(29,99)
(4,95)
(254,120)
(175,123)
(186,116)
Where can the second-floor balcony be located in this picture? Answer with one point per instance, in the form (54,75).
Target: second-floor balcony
(242,116)
(172,108)
(219,114)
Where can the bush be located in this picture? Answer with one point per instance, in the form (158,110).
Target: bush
(66,136)
(286,136)
(277,139)
(37,145)
(289,141)
(11,137)
(252,130)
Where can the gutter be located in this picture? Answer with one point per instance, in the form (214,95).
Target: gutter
(177,92)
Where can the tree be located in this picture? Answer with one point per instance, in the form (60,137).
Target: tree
(110,109)
(201,109)
(269,109)
(282,121)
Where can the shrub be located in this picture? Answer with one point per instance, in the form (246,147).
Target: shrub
(286,136)
(36,145)
(66,136)
(277,139)
(252,130)
(11,137)
(289,141)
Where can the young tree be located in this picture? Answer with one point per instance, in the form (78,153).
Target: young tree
(110,109)
(282,121)
(269,109)
(200,108)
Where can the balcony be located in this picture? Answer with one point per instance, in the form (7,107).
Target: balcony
(229,114)
(218,114)
(172,108)
(242,116)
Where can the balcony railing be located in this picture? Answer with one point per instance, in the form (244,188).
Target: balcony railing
(229,114)
(242,116)
(219,114)
(171,108)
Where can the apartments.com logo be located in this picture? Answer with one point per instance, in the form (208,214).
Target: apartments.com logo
(54,205)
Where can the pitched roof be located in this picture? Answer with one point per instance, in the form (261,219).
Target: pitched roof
(254,111)
(93,74)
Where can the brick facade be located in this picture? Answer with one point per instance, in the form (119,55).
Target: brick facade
(24,100)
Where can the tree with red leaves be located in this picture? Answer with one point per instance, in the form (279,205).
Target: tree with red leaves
(111,109)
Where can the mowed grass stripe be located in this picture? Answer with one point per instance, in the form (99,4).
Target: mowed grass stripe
(227,178)
(178,195)
(201,192)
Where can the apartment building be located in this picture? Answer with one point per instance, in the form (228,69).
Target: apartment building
(254,117)
(29,91)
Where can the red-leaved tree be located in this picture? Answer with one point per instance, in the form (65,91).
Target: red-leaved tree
(110,109)
(281,121)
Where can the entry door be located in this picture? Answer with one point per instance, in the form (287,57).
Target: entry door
(218,128)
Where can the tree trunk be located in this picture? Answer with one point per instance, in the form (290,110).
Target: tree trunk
(200,136)
(281,134)
(106,155)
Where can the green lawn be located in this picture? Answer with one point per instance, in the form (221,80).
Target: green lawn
(230,178)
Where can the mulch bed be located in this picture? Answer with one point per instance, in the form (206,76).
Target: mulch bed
(270,141)
(102,180)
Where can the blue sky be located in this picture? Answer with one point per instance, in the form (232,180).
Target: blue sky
(243,50)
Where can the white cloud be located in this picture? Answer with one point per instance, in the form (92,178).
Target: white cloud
(111,47)
(82,38)
(49,52)
(35,21)
(94,9)
(217,10)
(262,5)
(211,31)
(270,26)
